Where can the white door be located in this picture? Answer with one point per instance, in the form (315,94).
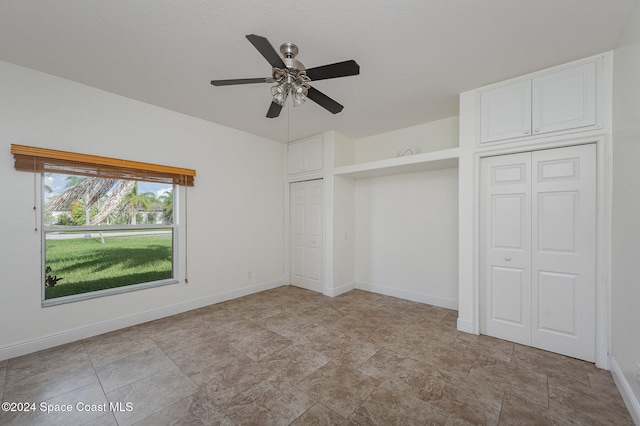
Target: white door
(306,235)
(538,249)
(564,250)
(506,256)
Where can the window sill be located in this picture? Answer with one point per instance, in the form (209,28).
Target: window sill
(108,292)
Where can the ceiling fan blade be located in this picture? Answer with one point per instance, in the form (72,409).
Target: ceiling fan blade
(266,49)
(339,69)
(274,110)
(324,101)
(239,81)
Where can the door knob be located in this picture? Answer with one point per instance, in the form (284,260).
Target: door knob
(507,258)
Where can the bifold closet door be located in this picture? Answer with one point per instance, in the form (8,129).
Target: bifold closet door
(306,236)
(505,212)
(538,216)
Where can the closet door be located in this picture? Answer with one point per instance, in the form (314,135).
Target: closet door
(306,235)
(564,250)
(506,247)
(538,213)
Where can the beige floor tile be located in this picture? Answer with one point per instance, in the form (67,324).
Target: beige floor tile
(3,375)
(105,420)
(49,383)
(261,345)
(226,380)
(50,359)
(295,363)
(293,356)
(150,395)
(519,411)
(551,364)
(504,377)
(175,340)
(404,374)
(440,389)
(195,409)
(77,407)
(109,347)
(338,387)
(319,414)
(478,405)
(444,356)
(587,405)
(349,350)
(270,402)
(401,340)
(385,406)
(132,368)
(353,325)
(202,355)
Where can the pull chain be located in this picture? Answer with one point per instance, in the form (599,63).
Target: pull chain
(186,238)
(35,189)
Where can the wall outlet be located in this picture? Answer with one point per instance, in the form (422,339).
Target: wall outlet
(250,274)
(638,372)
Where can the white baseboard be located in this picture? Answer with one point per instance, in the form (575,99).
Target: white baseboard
(465,325)
(67,336)
(337,291)
(408,295)
(630,400)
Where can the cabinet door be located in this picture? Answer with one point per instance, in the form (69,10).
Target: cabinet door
(313,154)
(305,156)
(505,112)
(565,100)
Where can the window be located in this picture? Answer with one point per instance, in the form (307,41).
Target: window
(106,228)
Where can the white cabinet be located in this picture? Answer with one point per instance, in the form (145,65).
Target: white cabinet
(561,101)
(305,156)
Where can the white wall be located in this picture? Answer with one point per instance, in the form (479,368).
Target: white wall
(407,225)
(407,236)
(427,137)
(235,210)
(626,206)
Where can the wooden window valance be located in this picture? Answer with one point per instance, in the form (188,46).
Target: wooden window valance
(32,159)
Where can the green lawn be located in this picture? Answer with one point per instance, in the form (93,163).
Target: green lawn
(88,265)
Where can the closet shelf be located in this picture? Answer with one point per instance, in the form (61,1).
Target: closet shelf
(436,160)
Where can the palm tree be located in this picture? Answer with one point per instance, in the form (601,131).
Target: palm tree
(167,206)
(133,202)
(90,190)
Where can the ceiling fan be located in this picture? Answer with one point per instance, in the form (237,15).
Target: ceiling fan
(292,78)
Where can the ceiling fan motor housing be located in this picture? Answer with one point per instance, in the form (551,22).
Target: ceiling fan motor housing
(289,51)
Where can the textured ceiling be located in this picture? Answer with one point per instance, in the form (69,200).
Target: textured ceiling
(415,56)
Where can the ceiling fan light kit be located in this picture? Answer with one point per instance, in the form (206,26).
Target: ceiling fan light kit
(292,78)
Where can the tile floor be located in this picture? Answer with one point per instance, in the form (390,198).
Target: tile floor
(291,356)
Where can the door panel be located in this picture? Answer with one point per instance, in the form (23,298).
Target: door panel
(507,296)
(506,243)
(508,221)
(564,250)
(306,235)
(557,221)
(558,303)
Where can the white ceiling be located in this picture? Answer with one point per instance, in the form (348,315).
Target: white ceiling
(415,56)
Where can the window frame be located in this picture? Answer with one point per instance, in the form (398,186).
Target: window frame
(174,227)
